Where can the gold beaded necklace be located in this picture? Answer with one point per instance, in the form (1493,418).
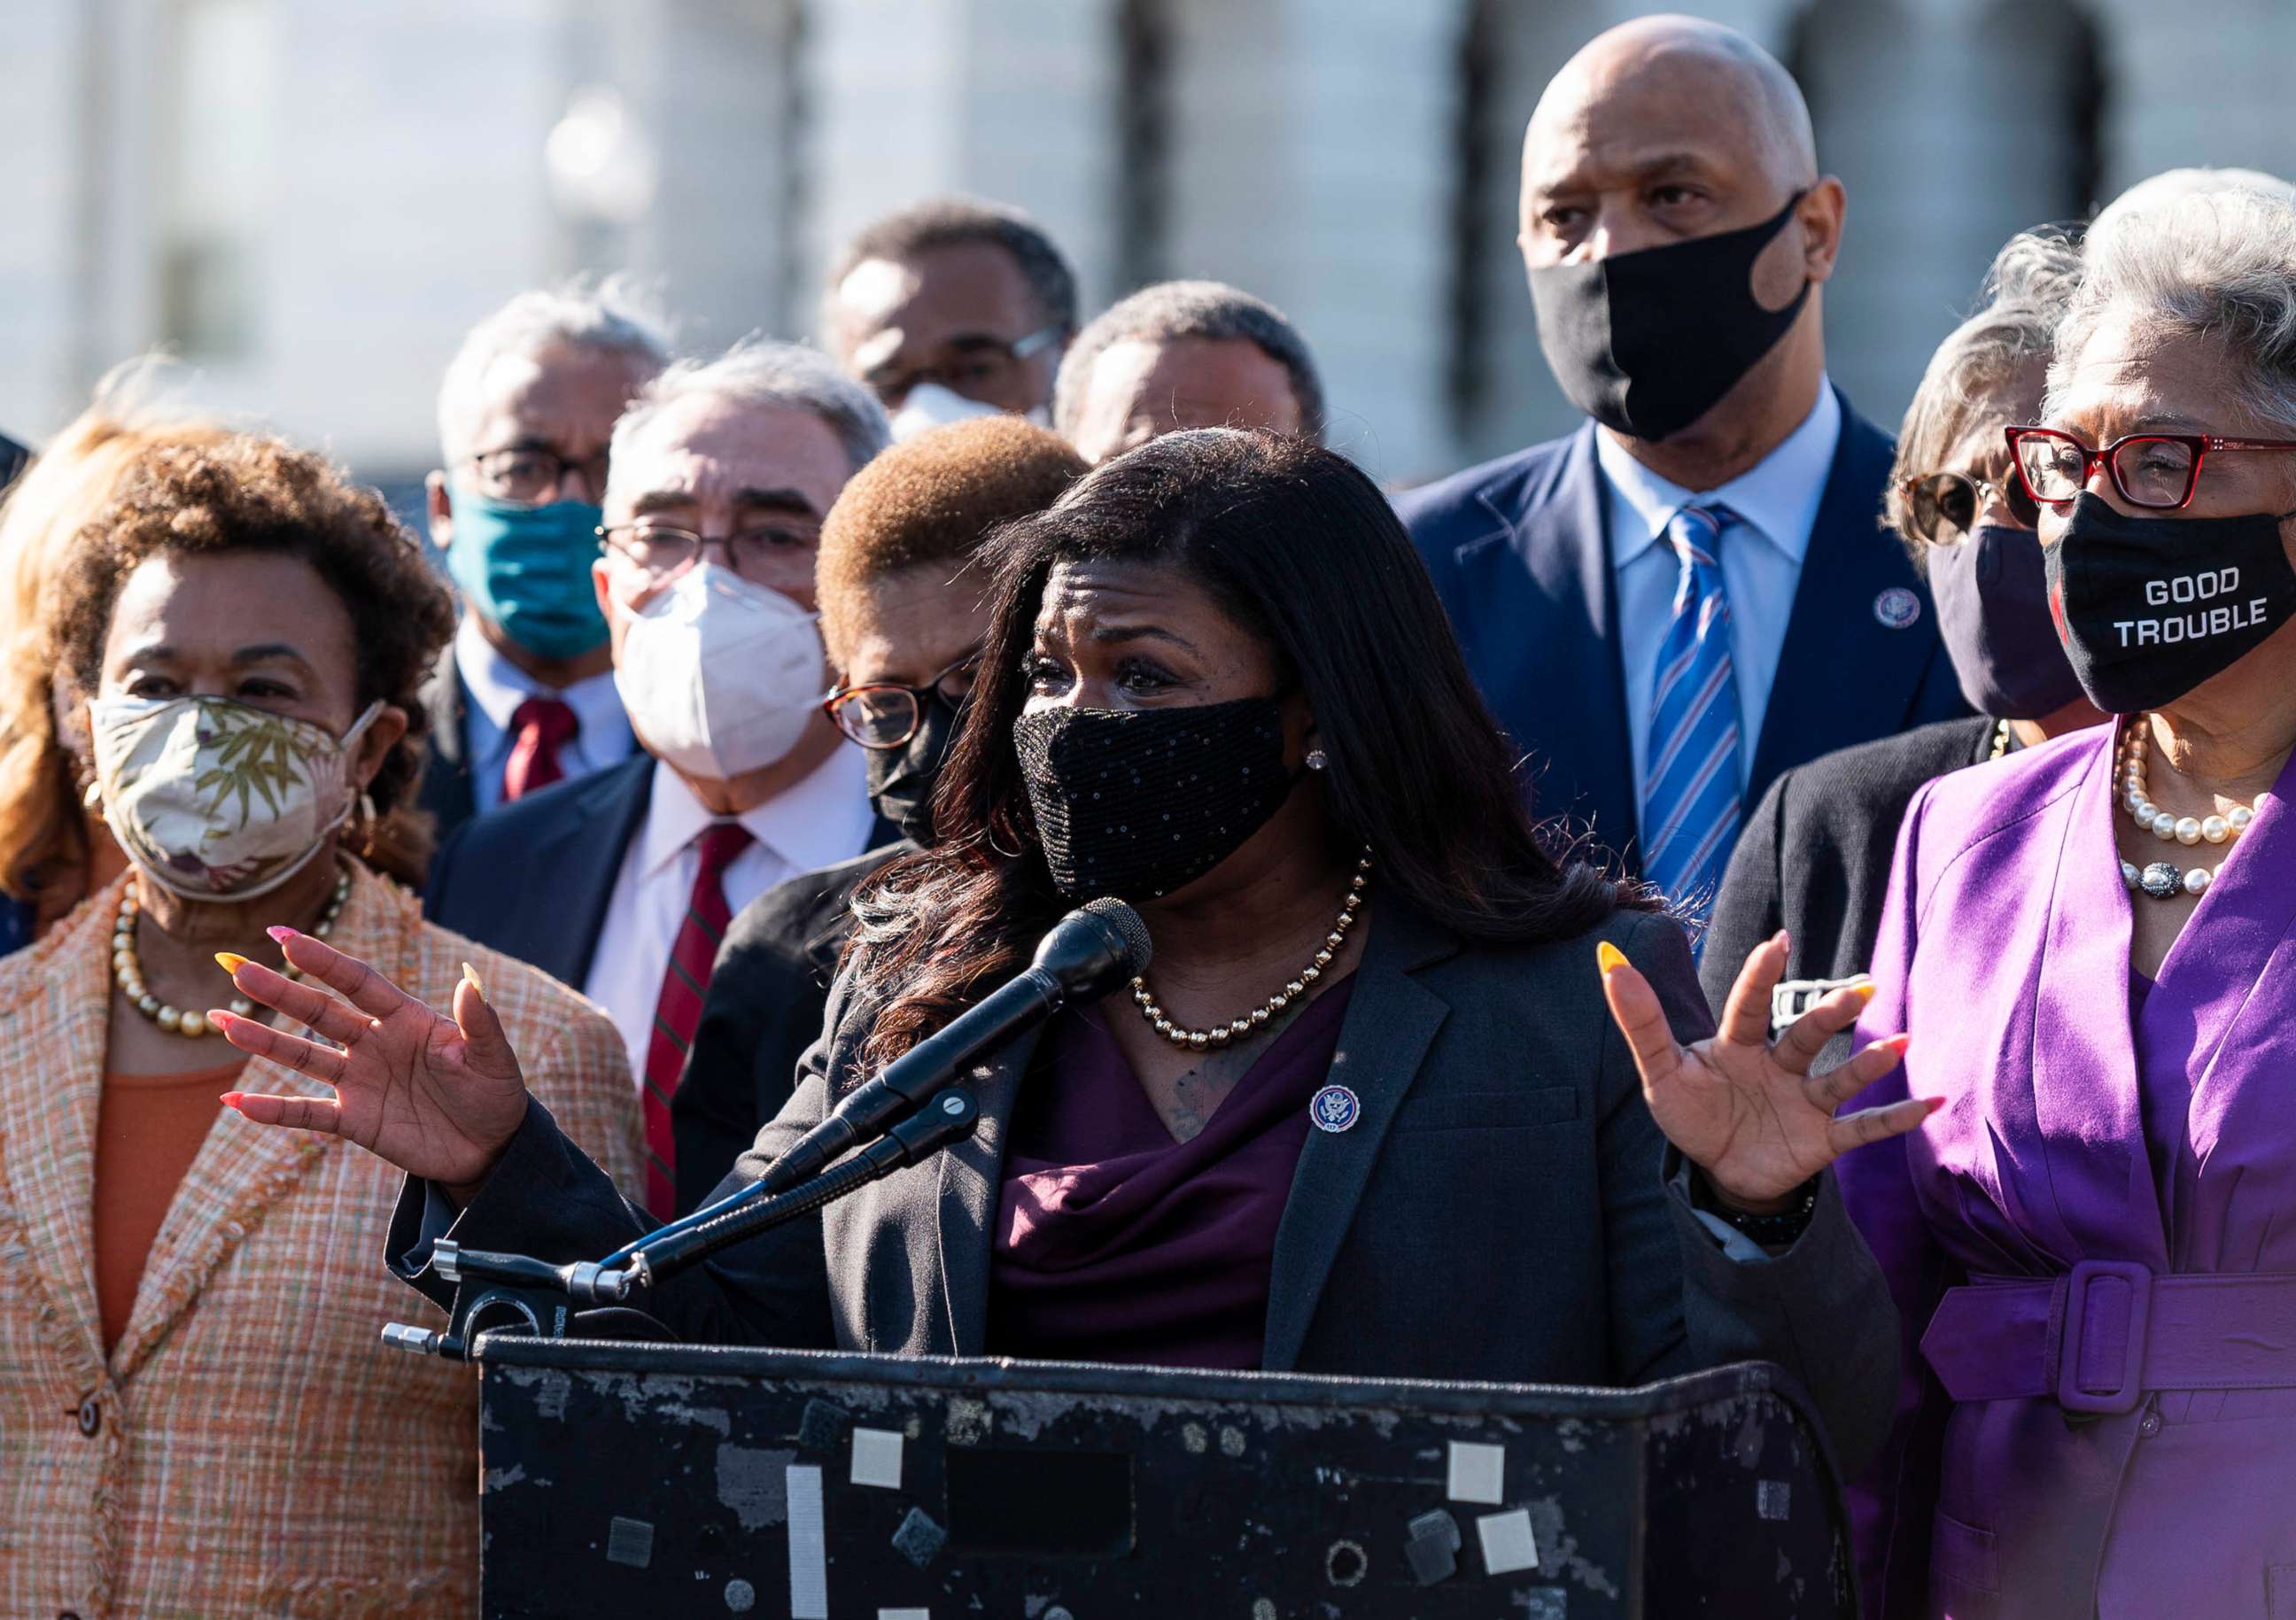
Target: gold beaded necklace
(1222,1034)
(128,968)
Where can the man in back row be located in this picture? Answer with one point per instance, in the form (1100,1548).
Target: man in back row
(950,308)
(1184,355)
(524,694)
(1670,608)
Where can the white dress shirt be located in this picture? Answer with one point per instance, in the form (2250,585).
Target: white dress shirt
(1776,502)
(817,821)
(495,687)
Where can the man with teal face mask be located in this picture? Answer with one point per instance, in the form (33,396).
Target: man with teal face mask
(524,695)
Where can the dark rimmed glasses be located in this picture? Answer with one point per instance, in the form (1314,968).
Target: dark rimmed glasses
(532,475)
(2155,470)
(885,713)
(1943,506)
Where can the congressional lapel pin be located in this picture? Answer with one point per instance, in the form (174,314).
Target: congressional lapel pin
(1897,608)
(1334,1108)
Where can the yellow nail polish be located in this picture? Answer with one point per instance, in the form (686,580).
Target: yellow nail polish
(1609,958)
(1864,990)
(471,976)
(230,962)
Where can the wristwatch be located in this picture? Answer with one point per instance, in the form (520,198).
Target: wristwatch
(1774,1230)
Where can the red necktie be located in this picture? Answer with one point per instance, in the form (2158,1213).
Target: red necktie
(542,726)
(677,1011)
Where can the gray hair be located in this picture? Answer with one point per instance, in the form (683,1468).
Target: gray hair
(757,372)
(2023,296)
(2218,264)
(2161,189)
(612,316)
(1211,310)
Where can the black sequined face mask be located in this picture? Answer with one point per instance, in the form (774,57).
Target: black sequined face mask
(1135,804)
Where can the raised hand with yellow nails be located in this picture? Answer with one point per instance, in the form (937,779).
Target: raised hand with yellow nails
(1743,1108)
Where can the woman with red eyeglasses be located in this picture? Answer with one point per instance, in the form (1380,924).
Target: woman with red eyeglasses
(2092,946)
(1814,859)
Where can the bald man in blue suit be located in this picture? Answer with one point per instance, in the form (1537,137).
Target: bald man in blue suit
(1692,591)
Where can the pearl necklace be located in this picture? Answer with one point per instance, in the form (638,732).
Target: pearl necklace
(1221,1034)
(128,968)
(2162,879)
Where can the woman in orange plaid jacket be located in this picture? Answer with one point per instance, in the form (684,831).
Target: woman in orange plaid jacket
(196,1415)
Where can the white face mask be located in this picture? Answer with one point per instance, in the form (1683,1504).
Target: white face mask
(720,676)
(929,405)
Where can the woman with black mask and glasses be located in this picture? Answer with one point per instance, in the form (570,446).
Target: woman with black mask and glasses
(903,609)
(2093,945)
(1814,859)
(1396,1095)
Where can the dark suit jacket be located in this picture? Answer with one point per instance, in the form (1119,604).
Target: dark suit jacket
(532,878)
(1814,859)
(447,791)
(12,458)
(1498,1210)
(1519,552)
(767,994)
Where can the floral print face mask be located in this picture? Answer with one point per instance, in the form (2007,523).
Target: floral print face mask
(216,800)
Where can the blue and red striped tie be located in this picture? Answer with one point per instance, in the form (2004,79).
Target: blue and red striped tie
(678,1011)
(1691,795)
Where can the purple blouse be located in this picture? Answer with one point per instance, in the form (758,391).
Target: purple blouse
(1114,1242)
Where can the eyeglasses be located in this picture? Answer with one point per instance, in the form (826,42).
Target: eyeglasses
(531,476)
(1943,506)
(885,715)
(2159,471)
(981,366)
(662,548)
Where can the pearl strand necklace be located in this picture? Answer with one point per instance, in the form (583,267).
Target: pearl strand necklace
(128,968)
(2162,879)
(1221,1034)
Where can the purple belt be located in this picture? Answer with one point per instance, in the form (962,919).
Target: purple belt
(2101,1336)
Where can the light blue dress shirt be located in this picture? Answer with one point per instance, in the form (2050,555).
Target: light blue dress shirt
(494,687)
(1776,502)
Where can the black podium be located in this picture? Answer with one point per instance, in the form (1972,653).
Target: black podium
(652,1480)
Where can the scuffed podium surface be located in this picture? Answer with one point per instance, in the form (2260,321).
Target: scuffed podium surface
(656,1480)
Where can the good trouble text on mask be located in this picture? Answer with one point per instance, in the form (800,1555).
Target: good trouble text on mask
(2190,588)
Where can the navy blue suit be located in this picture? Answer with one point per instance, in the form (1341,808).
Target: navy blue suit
(1520,556)
(533,878)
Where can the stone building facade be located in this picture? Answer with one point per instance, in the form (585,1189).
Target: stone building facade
(311,198)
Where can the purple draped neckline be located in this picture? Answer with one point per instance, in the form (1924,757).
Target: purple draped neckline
(1114,1242)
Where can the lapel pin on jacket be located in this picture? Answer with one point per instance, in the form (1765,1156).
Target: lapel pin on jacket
(1898,609)
(1334,1108)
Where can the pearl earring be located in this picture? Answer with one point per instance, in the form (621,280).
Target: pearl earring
(1317,759)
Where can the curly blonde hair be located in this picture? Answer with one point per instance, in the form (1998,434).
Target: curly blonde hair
(43,828)
(247,492)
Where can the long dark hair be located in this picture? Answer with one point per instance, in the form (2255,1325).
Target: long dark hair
(1303,552)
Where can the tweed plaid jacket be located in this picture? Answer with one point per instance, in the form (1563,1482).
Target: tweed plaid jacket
(248,1447)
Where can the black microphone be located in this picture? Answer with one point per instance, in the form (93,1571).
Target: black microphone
(1090,952)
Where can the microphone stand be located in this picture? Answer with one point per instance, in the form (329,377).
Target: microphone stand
(517,1288)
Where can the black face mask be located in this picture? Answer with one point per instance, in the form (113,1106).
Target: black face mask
(2150,608)
(1135,803)
(1648,343)
(901,779)
(1992,594)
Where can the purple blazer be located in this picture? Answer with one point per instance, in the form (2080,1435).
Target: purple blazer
(2100,1440)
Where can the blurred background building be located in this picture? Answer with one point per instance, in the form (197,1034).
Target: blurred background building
(311,199)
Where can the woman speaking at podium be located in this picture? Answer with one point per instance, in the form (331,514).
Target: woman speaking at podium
(1400,1094)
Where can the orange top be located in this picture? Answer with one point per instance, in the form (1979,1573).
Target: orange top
(148,1131)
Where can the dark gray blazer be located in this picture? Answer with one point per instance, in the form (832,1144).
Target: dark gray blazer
(1499,1210)
(768,991)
